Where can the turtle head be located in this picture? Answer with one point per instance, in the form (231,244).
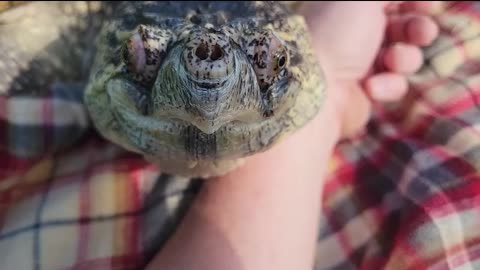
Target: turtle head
(206,77)
(193,91)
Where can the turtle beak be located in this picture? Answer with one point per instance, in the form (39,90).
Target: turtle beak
(208,126)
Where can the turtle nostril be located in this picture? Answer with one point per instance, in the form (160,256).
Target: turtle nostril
(202,51)
(207,57)
(217,52)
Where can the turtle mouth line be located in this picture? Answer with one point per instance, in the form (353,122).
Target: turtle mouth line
(210,85)
(124,116)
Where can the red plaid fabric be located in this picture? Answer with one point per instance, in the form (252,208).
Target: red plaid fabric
(404,195)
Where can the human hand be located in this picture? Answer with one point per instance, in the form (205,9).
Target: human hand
(243,219)
(351,37)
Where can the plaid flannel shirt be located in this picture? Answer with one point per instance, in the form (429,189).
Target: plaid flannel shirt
(403,195)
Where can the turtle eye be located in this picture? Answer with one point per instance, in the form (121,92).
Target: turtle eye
(281,58)
(133,54)
(281,61)
(269,58)
(144,52)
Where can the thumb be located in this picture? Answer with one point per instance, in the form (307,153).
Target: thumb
(354,118)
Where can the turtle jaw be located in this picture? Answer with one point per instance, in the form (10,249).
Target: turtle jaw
(208,126)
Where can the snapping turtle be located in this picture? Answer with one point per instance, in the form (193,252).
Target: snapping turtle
(192,86)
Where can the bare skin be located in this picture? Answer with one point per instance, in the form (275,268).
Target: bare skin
(265,214)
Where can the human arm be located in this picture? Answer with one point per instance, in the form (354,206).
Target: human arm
(261,216)
(265,214)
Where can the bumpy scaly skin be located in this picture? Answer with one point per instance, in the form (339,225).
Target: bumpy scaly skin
(211,82)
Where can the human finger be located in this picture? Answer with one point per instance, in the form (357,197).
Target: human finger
(386,87)
(402,58)
(419,30)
